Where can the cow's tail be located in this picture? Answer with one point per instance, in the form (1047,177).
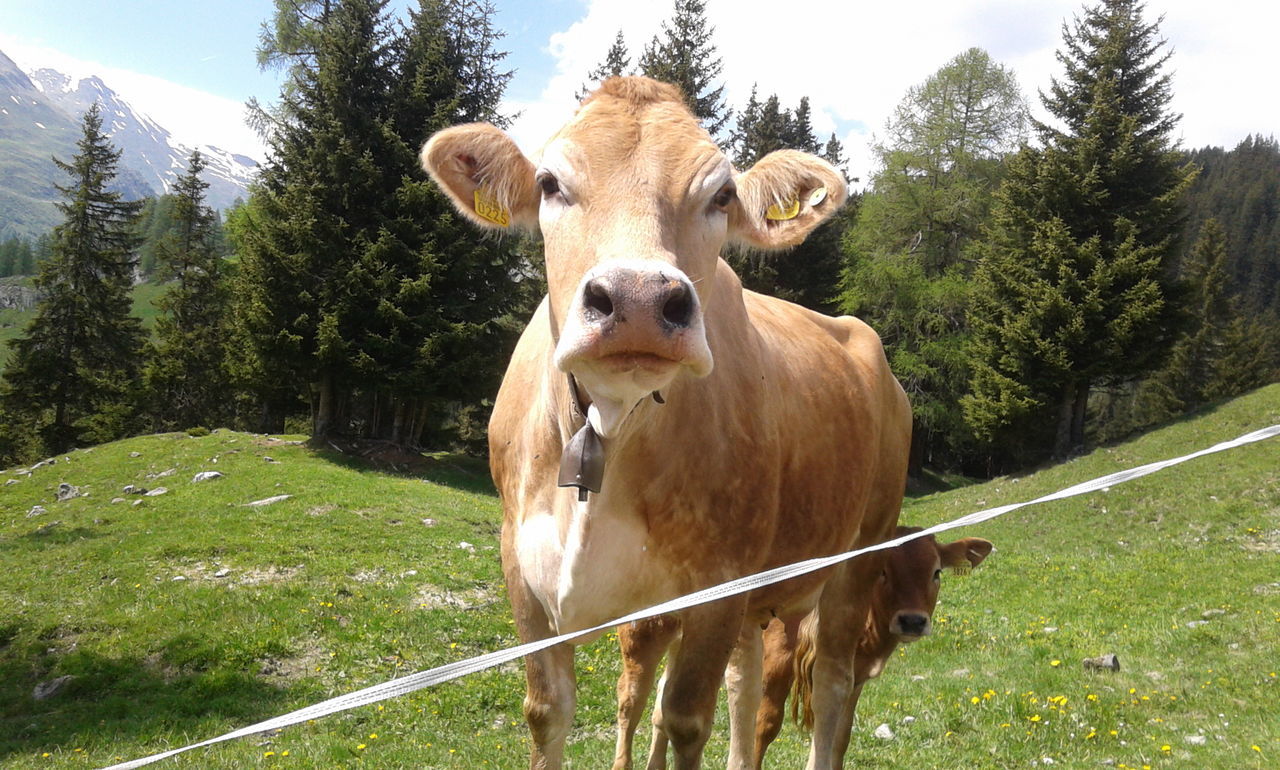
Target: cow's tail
(802,690)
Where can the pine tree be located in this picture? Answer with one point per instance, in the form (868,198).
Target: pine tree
(1088,228)
(308,286)
(72,375)
(807,273)
(186,379)
(683,54)
(616,62)
(833,153)
(8,257)
(1241,189)
(356,275)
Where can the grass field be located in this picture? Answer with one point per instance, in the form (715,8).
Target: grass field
(13,323)
(192,613)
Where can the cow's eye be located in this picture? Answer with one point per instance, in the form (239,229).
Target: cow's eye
(724,197)
(937,575)
(549,184)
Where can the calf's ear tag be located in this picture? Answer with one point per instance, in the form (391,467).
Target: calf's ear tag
(781,212)
(489,209)
(582,464)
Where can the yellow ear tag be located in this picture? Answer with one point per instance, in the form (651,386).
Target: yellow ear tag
(817,197)
(778,213)
(489,209)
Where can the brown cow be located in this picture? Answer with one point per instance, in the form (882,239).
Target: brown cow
(901,612)
(902,602)
(705,432)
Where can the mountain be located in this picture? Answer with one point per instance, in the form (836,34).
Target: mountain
(40,117)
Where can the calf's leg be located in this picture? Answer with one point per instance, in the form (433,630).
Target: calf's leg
(779,673)
(642,644)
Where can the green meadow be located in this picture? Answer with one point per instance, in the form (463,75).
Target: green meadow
(13,323)
(175,617)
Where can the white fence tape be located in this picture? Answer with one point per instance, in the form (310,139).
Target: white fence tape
(418,681)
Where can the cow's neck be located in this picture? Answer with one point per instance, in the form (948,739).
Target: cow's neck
(877,643)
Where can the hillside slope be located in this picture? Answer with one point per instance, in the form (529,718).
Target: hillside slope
(191,613)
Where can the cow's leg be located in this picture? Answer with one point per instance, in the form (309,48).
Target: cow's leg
(779,673)
(658,741)
(549,702)
(842,613)
(642,644)
(694,673)
(743,681)
(550,694)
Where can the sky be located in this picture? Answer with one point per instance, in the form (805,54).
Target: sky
(191,65)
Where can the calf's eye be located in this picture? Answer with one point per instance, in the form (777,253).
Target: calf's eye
(937,575)
(549,184)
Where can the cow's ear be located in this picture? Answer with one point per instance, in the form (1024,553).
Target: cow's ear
(485,174)
(966,553)
(783,197)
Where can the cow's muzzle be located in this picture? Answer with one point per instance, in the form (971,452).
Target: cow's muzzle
(639,316)
(623,295)
(910,626)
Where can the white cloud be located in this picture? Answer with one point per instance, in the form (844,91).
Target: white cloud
(193,117)
(855,60)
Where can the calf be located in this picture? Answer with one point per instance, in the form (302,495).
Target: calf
(902,601)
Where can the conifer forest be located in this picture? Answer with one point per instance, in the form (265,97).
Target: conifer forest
(1039,286)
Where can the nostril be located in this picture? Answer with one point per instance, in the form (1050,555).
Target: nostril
(595,298)
(913,623)
(678,309)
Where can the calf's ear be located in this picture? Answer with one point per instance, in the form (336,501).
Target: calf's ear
(966,553)
(783,197)
(489,180)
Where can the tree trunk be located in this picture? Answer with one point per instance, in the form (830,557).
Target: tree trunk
(1079,412)
(398,425)
(322,422)
(1069,435)
(915,461)
(1066,415)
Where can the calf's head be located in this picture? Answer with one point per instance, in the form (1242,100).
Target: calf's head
(907,591)
(634,201)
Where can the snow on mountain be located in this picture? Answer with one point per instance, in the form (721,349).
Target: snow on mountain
(148,149)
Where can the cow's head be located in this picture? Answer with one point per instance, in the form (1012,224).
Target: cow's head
(908,587)
(634,201)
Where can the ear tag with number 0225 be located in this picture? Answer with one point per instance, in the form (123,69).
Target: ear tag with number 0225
(489,209)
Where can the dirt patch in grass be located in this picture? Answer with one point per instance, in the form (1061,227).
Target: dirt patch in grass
(252,576)
(304,663)
(1263,542)
(431,597)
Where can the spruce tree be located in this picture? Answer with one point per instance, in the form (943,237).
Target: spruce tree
(72,376)
(308,286)
(807,273)
(616,62)
(186,378)
(357,277)
(8,257)
(684,55)
(1077,264)
(1240,188)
